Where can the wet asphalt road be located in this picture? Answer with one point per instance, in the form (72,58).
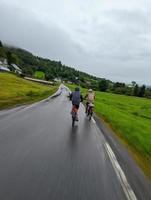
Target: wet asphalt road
(43,158)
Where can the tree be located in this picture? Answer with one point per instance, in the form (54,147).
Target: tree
(2,53)
(103,85)
(128,90)
(119,88)
(1,45)
(12,58)
(94,85)
(118,85)
(136,90)
(9,58)
(148,93)
(133,83)
(15,59)
(142,91)
(28,71)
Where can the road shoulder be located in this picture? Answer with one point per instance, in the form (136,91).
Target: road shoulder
(131,169)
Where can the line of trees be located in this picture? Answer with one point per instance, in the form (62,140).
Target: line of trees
(134,89)
(121,88)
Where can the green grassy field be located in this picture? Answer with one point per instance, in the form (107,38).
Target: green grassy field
(130,118)
(16,91)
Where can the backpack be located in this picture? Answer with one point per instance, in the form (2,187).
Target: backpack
(91,97)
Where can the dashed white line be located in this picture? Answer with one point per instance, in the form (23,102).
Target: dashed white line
(120,174)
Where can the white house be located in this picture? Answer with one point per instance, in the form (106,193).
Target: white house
(3,66)
(57,80)
(16,69)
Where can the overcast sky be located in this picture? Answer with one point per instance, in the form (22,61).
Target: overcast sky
(106,38)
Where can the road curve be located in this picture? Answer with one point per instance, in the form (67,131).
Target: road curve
(43,158)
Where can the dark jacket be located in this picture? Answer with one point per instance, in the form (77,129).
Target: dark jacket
(76,97)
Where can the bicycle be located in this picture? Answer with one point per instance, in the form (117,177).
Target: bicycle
(74,115)
(89,110)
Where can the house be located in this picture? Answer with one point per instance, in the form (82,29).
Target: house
(13,67)
(69,82)
(16,69)
(130,86)
(3,67)
(5,63)
(57,80)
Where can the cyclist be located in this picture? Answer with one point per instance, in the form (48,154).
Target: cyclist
(90,96)
(76,98)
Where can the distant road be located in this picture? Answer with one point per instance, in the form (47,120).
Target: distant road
(43,158)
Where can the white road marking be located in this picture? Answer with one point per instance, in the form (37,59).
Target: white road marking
(93,120)
(120,174)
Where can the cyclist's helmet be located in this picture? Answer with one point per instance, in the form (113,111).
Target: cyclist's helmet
(90,90)
(77,89)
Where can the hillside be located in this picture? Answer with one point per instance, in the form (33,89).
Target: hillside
(17,91)
(52,69)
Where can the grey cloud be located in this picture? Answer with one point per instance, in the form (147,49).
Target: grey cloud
(121,39)
(116,45)
(22,29)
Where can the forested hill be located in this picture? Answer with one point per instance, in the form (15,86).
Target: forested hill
(52,69)
(47,69)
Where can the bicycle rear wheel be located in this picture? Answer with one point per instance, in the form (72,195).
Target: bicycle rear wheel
(90,114)
(73,121)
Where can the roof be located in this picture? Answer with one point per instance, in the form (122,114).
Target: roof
(16,67)
(4,68)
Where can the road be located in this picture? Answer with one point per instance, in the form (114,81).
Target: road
(43,158)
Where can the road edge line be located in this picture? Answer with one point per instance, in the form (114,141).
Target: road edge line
(120,174)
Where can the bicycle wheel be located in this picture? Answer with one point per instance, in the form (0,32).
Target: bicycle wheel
(90,114)
(73,121)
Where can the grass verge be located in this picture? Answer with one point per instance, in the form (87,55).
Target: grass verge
(16,91)
(130,118)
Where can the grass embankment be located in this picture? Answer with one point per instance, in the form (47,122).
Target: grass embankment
(130,118)
(17,91)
